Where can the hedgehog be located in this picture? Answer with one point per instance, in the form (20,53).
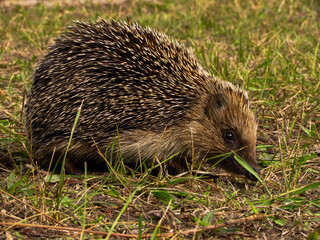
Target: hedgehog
(144,97)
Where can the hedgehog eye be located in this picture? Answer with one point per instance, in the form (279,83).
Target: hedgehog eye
(229,136)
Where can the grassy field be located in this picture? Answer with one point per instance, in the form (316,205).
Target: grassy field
(269,47)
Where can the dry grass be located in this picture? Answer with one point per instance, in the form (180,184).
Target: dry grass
(270,47)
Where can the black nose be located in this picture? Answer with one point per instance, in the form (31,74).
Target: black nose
(251,176)
(256,169)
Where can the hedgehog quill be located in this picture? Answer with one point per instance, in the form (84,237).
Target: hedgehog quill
(138,83)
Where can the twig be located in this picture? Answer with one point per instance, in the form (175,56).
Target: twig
(243,220)
(28,205)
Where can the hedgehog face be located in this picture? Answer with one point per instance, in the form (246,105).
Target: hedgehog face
(244,147)
(231,127)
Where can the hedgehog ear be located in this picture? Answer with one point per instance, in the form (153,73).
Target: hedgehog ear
(216,101)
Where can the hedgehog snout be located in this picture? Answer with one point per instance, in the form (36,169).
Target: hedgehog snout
(249,155)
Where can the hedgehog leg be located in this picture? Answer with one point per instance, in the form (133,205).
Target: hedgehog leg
(77,155)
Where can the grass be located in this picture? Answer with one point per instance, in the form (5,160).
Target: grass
(269,47)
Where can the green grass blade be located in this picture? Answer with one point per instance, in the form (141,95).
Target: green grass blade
(121,212)
(59,198)
(249,168)
(304,189)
